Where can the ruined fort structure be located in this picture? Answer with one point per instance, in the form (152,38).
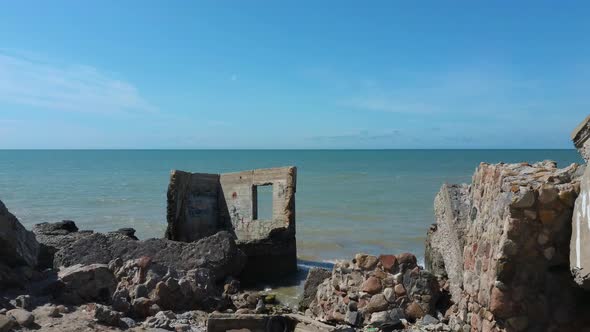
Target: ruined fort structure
(507,242)
(200,205)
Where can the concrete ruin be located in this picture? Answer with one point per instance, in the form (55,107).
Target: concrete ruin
(511,273)
(200,205)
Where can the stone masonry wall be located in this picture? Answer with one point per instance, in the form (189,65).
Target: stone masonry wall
(515,249)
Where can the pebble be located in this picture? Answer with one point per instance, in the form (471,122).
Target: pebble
(399,290)
(127,323)
(389,295)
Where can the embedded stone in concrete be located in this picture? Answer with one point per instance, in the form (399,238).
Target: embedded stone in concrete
(202,204)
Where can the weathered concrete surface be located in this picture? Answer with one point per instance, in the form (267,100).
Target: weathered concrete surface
(201,204)
(218,253)
(315,277)
(580,137)
(193,206)
(580,240)
(447,239)
(18,246)
(516,250)
(238,190)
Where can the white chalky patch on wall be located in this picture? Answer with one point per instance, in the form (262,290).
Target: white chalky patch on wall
(578,260)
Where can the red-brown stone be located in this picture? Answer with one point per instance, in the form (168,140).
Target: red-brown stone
(388,262)
(500,303)
(408,259)
(414,311)
(372,285)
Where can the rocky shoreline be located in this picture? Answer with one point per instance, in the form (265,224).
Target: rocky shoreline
(507,253)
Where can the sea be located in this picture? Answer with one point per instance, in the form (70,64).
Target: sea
(347,201)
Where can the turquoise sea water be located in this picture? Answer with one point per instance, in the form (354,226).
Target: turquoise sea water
(348,201)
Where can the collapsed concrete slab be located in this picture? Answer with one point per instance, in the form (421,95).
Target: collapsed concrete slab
(202,204)
(218,252)
(447,238)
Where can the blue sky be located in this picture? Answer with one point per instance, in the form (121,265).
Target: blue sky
(293,74)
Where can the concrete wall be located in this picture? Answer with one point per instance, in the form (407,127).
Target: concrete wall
(193,206)
(238,189)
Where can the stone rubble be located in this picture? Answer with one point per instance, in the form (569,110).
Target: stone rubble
(377,291)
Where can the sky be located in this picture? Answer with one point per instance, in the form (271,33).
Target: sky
(292,74)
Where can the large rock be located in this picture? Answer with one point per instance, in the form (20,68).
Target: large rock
(218,253)
(446,239)
(87,283)
(54,236)
(17,245)
(580,241)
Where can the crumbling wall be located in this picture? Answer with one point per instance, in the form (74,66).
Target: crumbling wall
(239,193)
(269,244)
(516,250)
(200,205)
(193,206)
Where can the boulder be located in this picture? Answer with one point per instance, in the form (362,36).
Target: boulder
(22,317)
(580,240)
(315,277)
(17,245)
(87,283)
(105,315)
(54,236)
(218,252)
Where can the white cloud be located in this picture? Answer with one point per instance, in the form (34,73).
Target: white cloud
(50,86)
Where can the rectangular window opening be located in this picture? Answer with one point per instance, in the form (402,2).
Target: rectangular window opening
(262,202)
